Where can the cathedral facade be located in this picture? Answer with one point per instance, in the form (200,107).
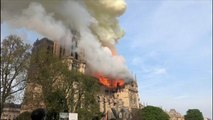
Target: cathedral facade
(114,103)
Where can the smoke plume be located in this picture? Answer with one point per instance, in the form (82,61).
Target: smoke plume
(95,20)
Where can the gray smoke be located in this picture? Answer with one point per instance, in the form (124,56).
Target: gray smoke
(96,21)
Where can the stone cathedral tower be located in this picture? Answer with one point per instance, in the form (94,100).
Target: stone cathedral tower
(33,96)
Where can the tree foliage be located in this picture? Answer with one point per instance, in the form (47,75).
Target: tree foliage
(64,89)
(152,113)
(15,55)
(193,114)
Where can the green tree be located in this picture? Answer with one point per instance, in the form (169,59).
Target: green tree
(49,72)
(15,57)
(64,89)
(193,114)
(153,113)
(86,104)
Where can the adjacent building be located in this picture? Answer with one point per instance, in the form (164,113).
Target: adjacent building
(174,115)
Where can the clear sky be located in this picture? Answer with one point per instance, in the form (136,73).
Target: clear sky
(168,45)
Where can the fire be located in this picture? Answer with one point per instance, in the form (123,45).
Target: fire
(109,83)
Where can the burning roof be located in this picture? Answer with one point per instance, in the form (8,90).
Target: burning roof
(108,82)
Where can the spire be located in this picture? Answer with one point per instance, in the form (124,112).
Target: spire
(136,82)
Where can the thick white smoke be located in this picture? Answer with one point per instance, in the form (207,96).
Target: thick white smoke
(95,20)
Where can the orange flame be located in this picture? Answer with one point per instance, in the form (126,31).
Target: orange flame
(109,83)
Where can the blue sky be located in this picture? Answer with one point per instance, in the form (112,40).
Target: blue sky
(168,45)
